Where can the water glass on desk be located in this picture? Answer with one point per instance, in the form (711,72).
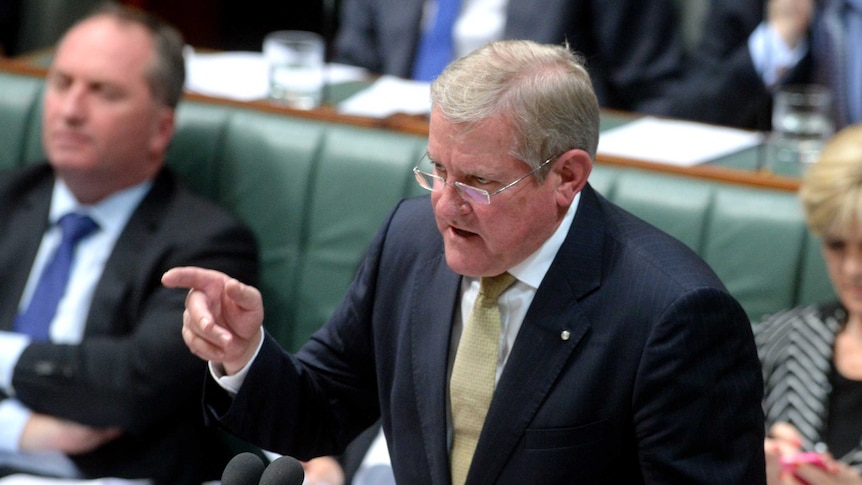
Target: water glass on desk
(801,123)
(296,67)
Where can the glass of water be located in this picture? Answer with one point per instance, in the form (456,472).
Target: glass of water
(296,67)
(801,122)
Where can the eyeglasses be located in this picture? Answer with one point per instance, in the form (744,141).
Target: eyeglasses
(435,183)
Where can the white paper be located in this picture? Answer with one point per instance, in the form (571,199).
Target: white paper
(389,95)
(675,142)
(236,75)
(244,75)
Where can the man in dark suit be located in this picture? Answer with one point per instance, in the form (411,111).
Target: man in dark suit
(106,387)
(617,356)
(751,48)
(632,47)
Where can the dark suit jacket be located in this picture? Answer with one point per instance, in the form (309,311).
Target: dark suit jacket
(633,365)
(632,47)
(720,84)
(133,369)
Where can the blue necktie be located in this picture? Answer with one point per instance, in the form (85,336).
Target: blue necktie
(35,321)
(435,46)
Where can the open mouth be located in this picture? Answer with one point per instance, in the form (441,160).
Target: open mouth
(462,233)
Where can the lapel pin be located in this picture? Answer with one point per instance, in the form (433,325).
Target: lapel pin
(565,335)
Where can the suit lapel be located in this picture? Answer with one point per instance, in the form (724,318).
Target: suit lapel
(130,250)
(22,230)
(553,327)
(431,326)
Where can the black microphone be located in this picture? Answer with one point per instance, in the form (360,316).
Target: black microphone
(285,470)
(243,469)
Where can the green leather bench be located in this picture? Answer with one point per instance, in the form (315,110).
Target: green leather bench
(314,193)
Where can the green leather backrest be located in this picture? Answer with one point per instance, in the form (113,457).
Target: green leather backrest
(20,119)
(314,193)
(755,239)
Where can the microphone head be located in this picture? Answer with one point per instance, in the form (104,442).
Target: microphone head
(285,470)
(243,469)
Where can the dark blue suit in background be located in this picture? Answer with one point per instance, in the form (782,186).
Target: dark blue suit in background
(632,47)
(633,365)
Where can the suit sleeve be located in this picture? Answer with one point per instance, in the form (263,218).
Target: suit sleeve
(697,398)
(317,401)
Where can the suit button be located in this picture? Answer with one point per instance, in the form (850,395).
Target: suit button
(44,368)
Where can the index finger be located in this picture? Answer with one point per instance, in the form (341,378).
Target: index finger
(192,278)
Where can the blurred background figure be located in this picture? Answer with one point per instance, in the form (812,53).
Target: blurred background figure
(95,380)
(750,48)
(632,47)
(812,356)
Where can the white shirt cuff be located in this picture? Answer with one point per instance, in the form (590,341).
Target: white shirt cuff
(773,58)
(232,383)
(12,344)
(13,418)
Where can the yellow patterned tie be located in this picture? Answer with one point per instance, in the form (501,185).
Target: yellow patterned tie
(473,373)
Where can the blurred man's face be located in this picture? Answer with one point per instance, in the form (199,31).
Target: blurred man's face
(103,130)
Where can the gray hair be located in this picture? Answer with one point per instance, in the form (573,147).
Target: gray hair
(166,77)
(543,92)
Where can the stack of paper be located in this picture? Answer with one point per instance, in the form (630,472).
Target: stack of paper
(682,143)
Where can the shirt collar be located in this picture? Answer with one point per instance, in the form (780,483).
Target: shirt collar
(111,211)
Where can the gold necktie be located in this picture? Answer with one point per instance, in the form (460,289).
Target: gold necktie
(473,373)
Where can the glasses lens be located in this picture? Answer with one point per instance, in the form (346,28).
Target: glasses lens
(474,195)
(423,180)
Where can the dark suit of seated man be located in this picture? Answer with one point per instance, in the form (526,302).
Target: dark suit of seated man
(102,385)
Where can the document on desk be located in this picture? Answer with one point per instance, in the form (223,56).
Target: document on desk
(389,95)
(675,142)
(244,75)
(235,75)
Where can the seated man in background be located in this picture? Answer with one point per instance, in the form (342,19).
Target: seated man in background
(812,355)
(632,47)
(751,47)
(95,380)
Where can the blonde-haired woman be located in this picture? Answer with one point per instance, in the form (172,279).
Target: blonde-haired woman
(812,356)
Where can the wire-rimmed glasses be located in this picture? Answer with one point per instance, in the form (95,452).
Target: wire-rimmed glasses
(434,183)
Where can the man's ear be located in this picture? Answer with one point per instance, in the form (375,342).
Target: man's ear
(572,169)
(163,130)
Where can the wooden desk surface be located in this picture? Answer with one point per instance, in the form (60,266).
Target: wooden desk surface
(741,168)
